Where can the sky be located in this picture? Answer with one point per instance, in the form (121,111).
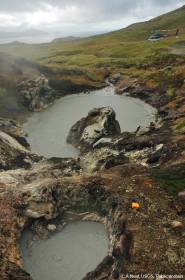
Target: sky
(43,20)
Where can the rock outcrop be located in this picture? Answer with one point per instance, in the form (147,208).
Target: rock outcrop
(115,78)
(99,123)
(102,145)
(36,94)
(102,158)
(47,191)
(12,153)
(14,149)
(56,188)
(9,270)
(11,127)
(44,194)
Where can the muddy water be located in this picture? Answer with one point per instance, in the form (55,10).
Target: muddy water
(47,131)
(67,255)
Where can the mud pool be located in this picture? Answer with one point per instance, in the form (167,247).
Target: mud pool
(47,130)
(69,254)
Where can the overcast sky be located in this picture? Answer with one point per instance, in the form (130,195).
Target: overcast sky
(77,17)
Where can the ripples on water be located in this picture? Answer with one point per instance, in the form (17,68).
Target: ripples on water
(68,255)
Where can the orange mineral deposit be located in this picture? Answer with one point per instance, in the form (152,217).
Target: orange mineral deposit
(135,205)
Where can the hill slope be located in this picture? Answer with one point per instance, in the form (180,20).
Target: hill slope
(86,62)
(101,49)
(139,31)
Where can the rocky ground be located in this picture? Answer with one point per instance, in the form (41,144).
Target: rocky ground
(112,182)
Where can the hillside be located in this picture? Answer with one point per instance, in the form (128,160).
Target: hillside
(84,63)
(174,19)
(142,30)
(66,39)
(98,50)
(111,48)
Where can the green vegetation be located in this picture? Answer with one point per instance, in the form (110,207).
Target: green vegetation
(93,52)
(170,21)
(124,48)
(172,180)
(3,92)
(170,92)
(84,63)
(181,125)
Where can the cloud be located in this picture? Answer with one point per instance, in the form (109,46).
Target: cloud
(110,7)
(79,16)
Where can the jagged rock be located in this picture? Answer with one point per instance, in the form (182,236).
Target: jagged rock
(10,126)
(111,151)
(12,153)
(176,225)
(181,195)
(36,94)
(9,271)
(99,123)
(115,78)
(146,156)
(126,141)
(103,158)
(102,145)
(52,228)
(12,142)
(14,129)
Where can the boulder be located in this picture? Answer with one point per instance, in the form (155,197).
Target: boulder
(100,122)
(115,78)
(181,195)
(176,225)
(52,227)
(36,94)
(11,127)
(12,153)
(12,142)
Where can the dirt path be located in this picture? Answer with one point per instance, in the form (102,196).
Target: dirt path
(177,51)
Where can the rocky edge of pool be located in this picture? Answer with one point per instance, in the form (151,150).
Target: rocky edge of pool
(115,181)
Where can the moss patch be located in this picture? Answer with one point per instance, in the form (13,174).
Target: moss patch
(173,180)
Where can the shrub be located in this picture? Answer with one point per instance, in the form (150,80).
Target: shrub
(3,92)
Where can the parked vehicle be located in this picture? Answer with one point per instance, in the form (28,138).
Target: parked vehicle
(156,36)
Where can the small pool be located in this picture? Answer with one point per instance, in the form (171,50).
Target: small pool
(47,130)
(67,255)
